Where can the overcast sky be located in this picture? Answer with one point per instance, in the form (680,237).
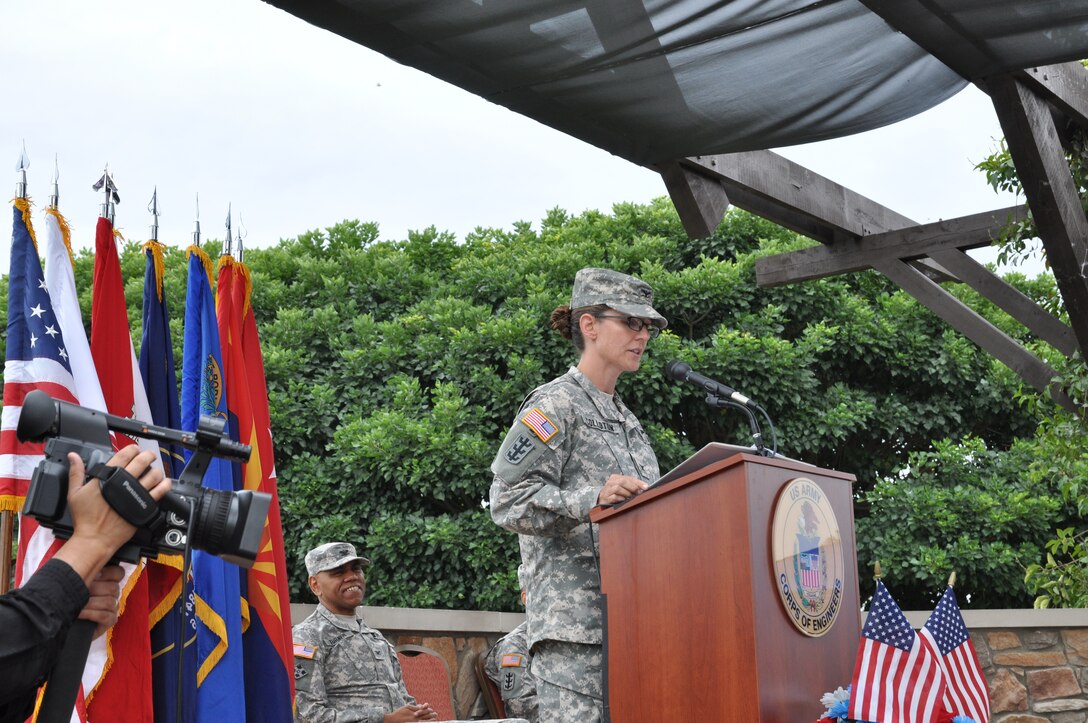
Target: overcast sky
(298,129)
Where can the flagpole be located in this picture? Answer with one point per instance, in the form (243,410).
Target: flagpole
(239,236)
(228,244)
(153,207)
(196,231)
(7,518)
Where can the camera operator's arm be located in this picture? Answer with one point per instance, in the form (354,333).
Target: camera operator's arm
(36,618)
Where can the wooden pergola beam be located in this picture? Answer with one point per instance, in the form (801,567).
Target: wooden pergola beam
(959,316)
(1065,85)
(796,197)
(1008,298)
(782,191)
(912,242)
(700,200)
(1037,152)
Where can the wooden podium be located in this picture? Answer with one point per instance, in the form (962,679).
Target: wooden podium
(696,626)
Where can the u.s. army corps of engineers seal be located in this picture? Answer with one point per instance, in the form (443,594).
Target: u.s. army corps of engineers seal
(806,548)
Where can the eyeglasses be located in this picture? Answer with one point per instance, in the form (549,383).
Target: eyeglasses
(634,323)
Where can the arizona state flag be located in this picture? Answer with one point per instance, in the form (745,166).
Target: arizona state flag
(171,645)
(215,582)
(267,641)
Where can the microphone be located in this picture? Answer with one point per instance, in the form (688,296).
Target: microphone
(682,372)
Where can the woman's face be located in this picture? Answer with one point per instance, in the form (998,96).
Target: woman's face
(617,344)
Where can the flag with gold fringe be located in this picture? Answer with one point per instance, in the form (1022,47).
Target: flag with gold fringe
(173,636)
(126,684)
(215,582)
(60,278)
(35,359)
(267,640)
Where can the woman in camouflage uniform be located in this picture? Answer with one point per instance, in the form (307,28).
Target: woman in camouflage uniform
(574,445)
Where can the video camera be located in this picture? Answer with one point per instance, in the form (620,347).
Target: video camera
(226,524)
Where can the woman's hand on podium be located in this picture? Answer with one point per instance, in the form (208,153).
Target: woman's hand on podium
(620,487)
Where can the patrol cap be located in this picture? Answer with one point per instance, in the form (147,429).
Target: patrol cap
(621,292)
(331,555)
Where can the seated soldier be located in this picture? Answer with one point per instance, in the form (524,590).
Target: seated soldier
(507,664)
(346,670)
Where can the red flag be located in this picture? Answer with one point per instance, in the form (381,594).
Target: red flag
(127,683)
(269,665)
(896,676)
(966,692)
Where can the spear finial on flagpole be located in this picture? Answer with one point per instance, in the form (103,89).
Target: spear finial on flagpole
(196,231)
(242,233)
(54,197)
(20,173)
(952,579)
(153,207)
(228,244)
(876,571)
(107,185)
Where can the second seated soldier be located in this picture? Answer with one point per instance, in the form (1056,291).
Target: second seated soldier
(574,445)
(507,664)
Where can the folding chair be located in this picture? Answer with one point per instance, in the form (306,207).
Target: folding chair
(492,697)
(427,678)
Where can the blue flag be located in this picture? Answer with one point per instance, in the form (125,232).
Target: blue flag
(215,582)
(171,602)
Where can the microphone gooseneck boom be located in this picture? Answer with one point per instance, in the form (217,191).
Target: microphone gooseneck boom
(722,395)
(682,372)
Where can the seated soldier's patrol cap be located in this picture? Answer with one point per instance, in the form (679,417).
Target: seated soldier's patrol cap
(621,292)
(331,555)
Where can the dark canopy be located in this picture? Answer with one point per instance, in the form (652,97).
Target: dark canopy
(698,89)
(651,80)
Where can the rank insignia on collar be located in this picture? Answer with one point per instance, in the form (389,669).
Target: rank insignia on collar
(540,424)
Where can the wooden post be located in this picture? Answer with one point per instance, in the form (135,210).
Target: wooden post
(1052,195)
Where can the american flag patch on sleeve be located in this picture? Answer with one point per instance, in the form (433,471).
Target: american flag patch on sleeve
(511,660)
(541,425)
(304,651)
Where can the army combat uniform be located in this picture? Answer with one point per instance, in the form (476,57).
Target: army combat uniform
(345,671)
(568,438)
(507,664)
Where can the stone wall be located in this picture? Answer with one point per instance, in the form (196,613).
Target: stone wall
(1036,675)
(1036,661)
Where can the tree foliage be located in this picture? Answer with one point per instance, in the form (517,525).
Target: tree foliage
(960,508)
(394,369)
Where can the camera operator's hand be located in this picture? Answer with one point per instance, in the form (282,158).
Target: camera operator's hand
(99,531)
(105,592)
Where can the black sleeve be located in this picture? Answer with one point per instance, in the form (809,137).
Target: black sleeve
(35,619)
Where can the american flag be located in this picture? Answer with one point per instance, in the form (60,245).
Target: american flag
(897,677)
(810,568)
(35,359)
(540,424)
(966,692)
